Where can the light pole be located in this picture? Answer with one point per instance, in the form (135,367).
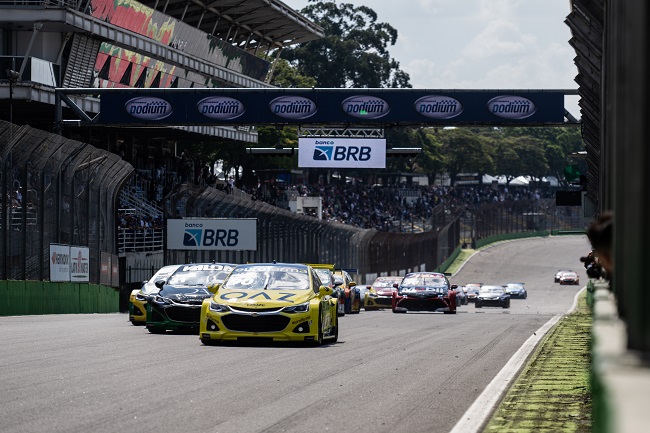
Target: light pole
(13,78)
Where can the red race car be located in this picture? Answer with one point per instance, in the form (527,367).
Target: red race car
(425,291)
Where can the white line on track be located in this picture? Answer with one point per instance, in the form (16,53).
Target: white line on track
(474,419)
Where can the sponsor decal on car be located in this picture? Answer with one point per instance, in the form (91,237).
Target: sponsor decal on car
(236,296)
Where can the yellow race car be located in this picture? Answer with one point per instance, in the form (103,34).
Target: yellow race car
(380,292)
(138,298)
(270,302)
(326,274)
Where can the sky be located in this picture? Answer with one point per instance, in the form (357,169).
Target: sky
(480,44)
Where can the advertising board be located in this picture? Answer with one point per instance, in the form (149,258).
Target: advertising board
(59,262)
(338,152)
(79,264)
(212,234)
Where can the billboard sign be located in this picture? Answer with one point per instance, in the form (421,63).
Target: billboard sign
(105,268)
(79,264)
(59,262)
(337,152)
(212,234)
(329,106)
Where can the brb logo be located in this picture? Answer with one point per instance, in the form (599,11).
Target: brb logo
(197,236)
(325,150)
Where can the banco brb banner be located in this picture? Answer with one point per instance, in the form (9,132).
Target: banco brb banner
(212,234)
(338,152)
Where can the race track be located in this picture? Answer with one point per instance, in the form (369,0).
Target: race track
(415,372)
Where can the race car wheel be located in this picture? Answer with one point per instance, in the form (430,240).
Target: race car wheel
(156,330)
(319,339)
(399,311)
(348,306)
(477,305)
(450,312)
(336,332)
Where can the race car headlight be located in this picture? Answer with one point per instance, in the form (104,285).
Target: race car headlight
(300,308)
(140,297)
(218,308)
(372,295)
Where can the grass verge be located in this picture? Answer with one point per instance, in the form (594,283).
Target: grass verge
(552,393)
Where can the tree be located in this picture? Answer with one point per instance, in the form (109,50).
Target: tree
(431,161)
(531,151)
(507,160)
(465,152)
(354,51)
(287,76)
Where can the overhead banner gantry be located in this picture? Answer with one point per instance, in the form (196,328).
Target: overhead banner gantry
(368,107)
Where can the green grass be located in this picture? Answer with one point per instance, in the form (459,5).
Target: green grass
(552,393)
(462,258)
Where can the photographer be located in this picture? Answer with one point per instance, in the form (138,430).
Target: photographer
(600,235)
(593,267)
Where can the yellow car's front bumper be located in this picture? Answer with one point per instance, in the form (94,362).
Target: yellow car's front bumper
(232,326)
(379,302)
(137,309)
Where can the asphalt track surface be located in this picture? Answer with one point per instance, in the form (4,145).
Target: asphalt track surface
(415,372)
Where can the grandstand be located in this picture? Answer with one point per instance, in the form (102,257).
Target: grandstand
(105,44)
(111,189)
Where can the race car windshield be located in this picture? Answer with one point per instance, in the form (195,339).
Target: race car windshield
(423,282)
(197,278)
(171,290)
(384,283)
(266,278)
(324,275)
(488,289)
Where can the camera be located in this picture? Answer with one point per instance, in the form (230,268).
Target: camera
(594,269)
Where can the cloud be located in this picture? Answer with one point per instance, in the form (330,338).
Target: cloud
(499,38)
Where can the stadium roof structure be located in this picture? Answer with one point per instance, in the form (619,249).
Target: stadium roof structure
(223,41)
(250,23)
(586,22)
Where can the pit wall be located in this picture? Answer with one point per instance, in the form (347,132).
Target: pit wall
(19,298)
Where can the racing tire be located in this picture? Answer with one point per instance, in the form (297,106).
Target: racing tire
(399,312)
(477,305)
(336,333)
(319,339)
(156,330)
(450,312)
(348,306)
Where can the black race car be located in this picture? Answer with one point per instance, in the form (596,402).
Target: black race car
(492,296)
(177,305)
(425,291)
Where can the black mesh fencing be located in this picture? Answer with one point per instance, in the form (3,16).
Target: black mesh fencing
(54,190)
(287,237)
